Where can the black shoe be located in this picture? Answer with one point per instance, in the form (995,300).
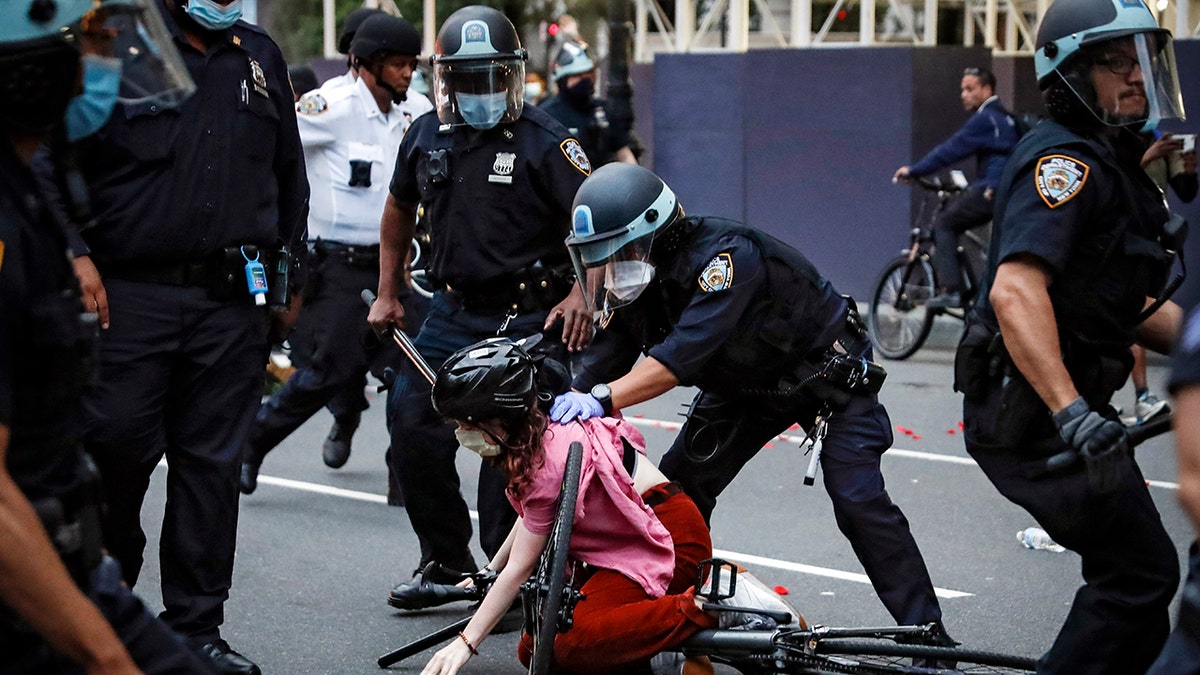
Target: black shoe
(945,301)
(248,478)
(336,449)
(227,661)
(433,587)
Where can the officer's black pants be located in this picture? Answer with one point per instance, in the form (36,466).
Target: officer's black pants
(153,647)
(1119,620)
(875,527)
(969,211)
(180,375)
(332,370)
(423,447)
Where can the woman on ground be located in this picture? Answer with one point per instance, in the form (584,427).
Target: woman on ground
(641,537)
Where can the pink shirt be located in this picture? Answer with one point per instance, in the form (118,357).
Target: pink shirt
(613,528)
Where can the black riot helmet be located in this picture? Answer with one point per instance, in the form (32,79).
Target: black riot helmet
(492,379)
(385,34)
(39,63)
(618,212)
(380,36)
(354,20)
(1081,40)
(478,69)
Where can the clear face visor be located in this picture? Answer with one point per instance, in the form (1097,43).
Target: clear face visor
(615,280)
(479,92)
(133,32)
(1127,80)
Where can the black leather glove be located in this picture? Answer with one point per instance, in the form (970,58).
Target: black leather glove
(1102,443)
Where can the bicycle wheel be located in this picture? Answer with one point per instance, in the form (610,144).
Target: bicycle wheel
(887,656)
(550,579)
(900,321)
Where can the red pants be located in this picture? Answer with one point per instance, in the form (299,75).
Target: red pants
(617,627)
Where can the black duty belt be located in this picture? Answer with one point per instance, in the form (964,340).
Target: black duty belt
(222,267)
(353,255)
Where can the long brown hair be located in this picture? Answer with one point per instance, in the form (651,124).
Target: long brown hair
(522,450)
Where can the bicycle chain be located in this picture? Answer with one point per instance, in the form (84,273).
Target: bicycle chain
(822,662)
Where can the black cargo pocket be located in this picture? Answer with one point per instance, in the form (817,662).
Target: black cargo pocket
(973,368)
(257,127)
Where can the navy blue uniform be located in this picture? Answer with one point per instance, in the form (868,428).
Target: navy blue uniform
(989,135)
(498,206)
(736,313)
(590,124)
(1181,654)
(45,360)
(1082,206)
(176,193)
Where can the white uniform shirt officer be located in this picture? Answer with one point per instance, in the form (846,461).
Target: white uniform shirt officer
(349,150)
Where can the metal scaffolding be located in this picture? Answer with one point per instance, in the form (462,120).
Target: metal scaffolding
(1007,26)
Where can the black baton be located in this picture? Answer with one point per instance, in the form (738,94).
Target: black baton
(406,344)
(421,644)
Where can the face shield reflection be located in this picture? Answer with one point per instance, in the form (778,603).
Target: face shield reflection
(481,93)
(133,33)
(1128,80)
(616,280)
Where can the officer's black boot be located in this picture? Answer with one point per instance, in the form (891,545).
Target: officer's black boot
(336,449)
(433,586)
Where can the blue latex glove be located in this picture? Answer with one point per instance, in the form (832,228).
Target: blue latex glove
(575,405)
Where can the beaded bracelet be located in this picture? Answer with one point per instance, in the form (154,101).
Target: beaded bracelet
(470,647)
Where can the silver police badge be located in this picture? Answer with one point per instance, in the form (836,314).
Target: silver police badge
(502,168)
(1059,178)
(259,78)
(718,275)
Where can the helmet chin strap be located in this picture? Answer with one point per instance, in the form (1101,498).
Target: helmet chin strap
(376,70)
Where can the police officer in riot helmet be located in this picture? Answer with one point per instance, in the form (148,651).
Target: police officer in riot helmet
(495,179)
(1080,258)
(584,114)
(63,608)
(769,342)
(354,20)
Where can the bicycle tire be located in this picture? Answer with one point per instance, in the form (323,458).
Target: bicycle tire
(885,656)
(899,321)
(552,568)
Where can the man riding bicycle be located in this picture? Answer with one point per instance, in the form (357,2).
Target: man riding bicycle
(989,135)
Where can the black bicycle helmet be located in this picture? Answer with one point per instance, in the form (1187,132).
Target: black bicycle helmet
(491,379)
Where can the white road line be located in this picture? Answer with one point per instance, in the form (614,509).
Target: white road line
(745,558)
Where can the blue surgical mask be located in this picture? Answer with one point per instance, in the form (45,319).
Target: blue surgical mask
(212,16)
(482,111)
(90,110)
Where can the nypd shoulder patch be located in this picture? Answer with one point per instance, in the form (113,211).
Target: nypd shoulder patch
(717,275)
(1059,178)
(578,158)
(312,103)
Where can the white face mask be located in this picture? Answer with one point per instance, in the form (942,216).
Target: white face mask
(625,280)
(476,442)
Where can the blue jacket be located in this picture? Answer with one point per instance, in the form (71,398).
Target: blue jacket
(989,134)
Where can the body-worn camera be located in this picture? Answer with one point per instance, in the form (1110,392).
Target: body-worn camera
(437,165)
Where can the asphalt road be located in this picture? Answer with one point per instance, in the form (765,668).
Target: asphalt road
(319,549)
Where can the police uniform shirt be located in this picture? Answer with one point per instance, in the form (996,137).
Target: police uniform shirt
(349,149)
(709,294)
(599,142)
(1048,206)
(496,200)
(35,298)
(223,169)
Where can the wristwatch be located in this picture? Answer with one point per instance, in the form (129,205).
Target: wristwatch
(603,394)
